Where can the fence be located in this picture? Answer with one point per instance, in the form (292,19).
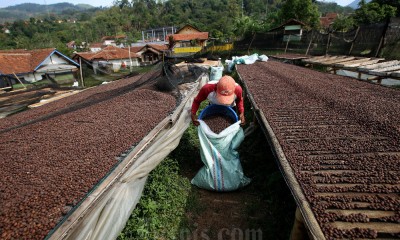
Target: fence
(375,40)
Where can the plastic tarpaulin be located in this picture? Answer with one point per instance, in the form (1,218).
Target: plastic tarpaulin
(222,170)
(245,60)
(106,217)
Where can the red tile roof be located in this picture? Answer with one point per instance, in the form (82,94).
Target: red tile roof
(158,47)
(22,61)
(137,48)
(328,19)
(108,53)
(331,15)
(191,36)
(187,26)
(96,45)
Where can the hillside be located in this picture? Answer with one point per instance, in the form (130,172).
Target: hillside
(355,3)
(28,10)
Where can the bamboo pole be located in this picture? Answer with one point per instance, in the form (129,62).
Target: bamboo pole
(309,44)
(80,71)
(19,80)
(248,49)
(287,43)
(328,43)
(355,37)
(382,38)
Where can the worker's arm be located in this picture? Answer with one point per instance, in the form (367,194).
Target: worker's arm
(201,96)
(240,104)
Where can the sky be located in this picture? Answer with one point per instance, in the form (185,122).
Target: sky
(105,3)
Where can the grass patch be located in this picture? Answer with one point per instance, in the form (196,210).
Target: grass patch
(161,208)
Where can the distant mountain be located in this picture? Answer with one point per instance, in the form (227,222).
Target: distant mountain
(354,4)
(28,10)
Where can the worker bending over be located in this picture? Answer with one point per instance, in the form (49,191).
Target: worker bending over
(223,92)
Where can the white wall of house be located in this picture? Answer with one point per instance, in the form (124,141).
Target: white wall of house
(33,77)
(54,59)
(109,42)
(95,49)
(115,64)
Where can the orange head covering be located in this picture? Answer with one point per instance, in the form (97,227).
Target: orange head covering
(226,90)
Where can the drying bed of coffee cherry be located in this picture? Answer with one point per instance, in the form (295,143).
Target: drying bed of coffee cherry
(341,137)
(52,156)
(217,123)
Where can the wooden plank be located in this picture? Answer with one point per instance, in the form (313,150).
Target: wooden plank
(352,62)
(326,59)
(357,65)
(367,212)
(338,60)
(384,71)
(288,57)
(395,74)
(310,59)
(378,65)
(322,59)
(381,227)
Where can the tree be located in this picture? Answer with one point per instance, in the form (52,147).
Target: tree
(393,3)
(343,23)
(373,12)
(302,10)
(247,26)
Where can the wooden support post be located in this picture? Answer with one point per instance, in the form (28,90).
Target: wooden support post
(287,43)
(248,49)
(309,44)
(80,71)
(355,37)
(328,43)
(19,80)
(382,38)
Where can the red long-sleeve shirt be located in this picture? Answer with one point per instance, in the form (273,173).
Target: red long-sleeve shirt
(210,88)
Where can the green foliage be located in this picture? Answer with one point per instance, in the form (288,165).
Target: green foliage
(373,12)
(303,10)
(343,23)
(246,26)
(393,3)
(224,20)
(159,212)
(332,7)
(26,10)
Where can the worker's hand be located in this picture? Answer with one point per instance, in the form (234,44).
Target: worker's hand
(194,120)
(242,119)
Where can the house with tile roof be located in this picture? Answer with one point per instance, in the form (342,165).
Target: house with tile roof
(327,20)
(112,40)
(292,30)
(187,40)
(96,47)
(35,65)
(111,58)
(151,53)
